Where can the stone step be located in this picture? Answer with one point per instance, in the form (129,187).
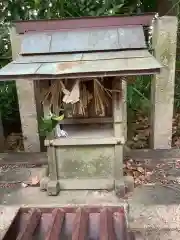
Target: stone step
(154,216)
(157,234)
(15,175)
(155,194)
(155,221)
(155,211)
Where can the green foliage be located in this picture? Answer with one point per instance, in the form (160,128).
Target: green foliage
(148,5)
(46,9)
(138,93)
(47,124)
(177,93)
(8,101)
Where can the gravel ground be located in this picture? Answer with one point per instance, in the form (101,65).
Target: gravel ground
(156,222)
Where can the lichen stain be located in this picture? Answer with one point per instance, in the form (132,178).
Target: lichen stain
(85,163)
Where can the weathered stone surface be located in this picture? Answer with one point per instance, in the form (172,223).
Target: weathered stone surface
(7,215)
(85,162)
(120,188)
(27,103)
(164,43)
(87,184)
(44,183)
(28,114)
(129,183)
(53,188)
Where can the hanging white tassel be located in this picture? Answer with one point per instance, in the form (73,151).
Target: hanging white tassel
(73,96)
(60,133)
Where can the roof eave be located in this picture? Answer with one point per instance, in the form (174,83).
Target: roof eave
(82,75)
(83,22)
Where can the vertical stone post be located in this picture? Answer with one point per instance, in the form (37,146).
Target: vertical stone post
(162,91)
(124,106)
(52,184)
(118,118)
(27,103)
(120,108)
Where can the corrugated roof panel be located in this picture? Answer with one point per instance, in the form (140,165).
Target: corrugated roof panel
(116,54)
(112,65)
(35,43)
(82,56)
(98,39)
(49,58)
(83,40)
(100,67)
(19,69)
(130,38)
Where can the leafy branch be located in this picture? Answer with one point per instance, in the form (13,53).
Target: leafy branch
(48,124)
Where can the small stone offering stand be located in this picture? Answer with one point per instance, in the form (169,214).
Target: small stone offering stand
(82,66)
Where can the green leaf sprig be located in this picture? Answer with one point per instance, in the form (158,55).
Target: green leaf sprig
(47,124)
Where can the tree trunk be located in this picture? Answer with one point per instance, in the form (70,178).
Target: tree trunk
(168,7)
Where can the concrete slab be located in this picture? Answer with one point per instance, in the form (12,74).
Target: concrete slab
(32,195)
(15,175)
(156,195)
(163,234)
(148,195)
(28,158)
(156,222)
(7,215)
(19,175)
(155,211)
(155,217)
